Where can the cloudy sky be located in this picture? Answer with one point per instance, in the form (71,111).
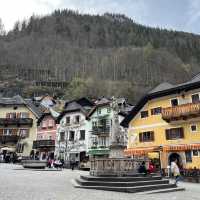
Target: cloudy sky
(172,14)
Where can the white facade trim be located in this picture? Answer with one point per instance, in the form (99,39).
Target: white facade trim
(149,126)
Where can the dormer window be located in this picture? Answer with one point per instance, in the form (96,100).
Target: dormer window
(144,114)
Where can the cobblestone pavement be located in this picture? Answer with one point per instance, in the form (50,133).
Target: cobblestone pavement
(19,184)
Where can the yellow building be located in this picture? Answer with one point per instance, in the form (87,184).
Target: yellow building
(18,125)
(165,124)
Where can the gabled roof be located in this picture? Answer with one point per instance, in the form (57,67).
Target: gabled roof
(156,93)
(44,114)
(84,102)
(97,106)
(38,110)
(161,87)
(80,105)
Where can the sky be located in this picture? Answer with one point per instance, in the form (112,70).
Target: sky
(183,15)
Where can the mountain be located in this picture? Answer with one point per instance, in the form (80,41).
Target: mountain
(95,55)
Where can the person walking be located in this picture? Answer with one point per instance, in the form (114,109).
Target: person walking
(175,171)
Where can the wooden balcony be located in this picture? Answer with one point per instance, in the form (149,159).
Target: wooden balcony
(8,139)
(43,144)
(181,112)
(99,130)
(16,122)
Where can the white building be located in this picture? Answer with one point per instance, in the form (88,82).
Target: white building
(73,132)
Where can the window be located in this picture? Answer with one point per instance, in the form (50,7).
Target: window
(11,115)
(102,141)
(195,98)
(94,124)
(144,114)
(20,148)
(71,135)
(174,102)
(67,120)
(62,136)
(7,131)
(51,123)
(23,133)
(195,152)
(99,111)
(77,119)
(156,111)
(108,110)
(44,124)
(82,135)
(193,127)
(174,133)
(24,115)
(146,136)
(188,156)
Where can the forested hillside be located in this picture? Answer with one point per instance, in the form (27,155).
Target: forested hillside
(96,55)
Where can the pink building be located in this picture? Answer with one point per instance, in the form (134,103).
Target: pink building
(46,136)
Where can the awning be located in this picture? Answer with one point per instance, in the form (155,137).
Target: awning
(141,150)
(181,147)
(98,151)
(10,149)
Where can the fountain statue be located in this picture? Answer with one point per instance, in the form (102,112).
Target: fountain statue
(116,164)
(117,145)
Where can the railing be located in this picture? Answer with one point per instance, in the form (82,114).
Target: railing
(43,143)
(9,138)
(16,121)
(100,130)
(179,112)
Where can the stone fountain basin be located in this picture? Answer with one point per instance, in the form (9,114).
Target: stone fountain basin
(34,164)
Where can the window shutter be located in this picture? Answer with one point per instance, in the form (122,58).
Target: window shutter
(1,131)
(167,133)
(152,136)
(14,132)
(18,115)
(140,137)
(181,132)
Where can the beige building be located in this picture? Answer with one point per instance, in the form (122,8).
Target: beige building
(18,125)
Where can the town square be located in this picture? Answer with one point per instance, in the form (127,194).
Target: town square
(99,99)
(57,185)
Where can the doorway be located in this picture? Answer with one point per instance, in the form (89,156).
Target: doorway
(174,156)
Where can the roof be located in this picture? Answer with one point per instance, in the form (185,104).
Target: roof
(80,105)
(160,87)
(84,102)
(44,114)
(16,100)
(38,110)
(163,89)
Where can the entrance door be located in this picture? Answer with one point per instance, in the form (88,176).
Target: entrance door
(174,156)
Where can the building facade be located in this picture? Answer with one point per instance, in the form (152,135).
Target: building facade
(44,145)
(73,132)
(165,124)
(18,126)
(100,119)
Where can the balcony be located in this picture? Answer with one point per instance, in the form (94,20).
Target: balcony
(16,122)
(181,112)
(43,144)
(98,130)
(8,139)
